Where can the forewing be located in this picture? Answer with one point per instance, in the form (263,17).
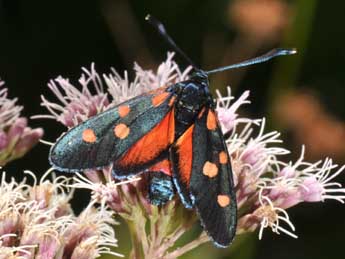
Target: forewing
(149,149)
(211,184)
(106,137)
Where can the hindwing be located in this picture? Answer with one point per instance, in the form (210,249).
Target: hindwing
(181,156)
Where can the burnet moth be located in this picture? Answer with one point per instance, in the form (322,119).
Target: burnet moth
(173,135)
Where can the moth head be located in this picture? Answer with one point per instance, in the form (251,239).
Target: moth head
(200,77)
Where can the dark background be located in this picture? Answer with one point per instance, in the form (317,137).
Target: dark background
(40,40)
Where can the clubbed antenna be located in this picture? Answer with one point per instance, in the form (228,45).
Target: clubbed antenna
(162,31)
(260,59)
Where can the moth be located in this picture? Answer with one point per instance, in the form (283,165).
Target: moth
(173,135)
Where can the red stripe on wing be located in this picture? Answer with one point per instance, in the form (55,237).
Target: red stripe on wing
(151,145)
(162,166)
(184,147)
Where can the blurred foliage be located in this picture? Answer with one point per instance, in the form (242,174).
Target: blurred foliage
(43,39)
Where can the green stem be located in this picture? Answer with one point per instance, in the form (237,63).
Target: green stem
(203,238)
(137,252)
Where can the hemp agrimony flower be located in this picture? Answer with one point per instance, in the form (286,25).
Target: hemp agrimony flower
(16,139)
(266,186)
(36,221)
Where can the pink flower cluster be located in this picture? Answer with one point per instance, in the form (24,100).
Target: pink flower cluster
(36,221)
(16,138)
(266,186)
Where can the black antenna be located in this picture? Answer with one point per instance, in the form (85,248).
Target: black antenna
(263,58)
(162,31)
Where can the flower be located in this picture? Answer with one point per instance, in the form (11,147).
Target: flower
(227,111)
(266,215)
(79,105)
(266,186)
(7,252)
(16,139)
(37,222)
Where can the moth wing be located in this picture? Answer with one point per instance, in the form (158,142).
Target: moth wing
(149,149)
(211,183)
(105,137)
(181,156)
